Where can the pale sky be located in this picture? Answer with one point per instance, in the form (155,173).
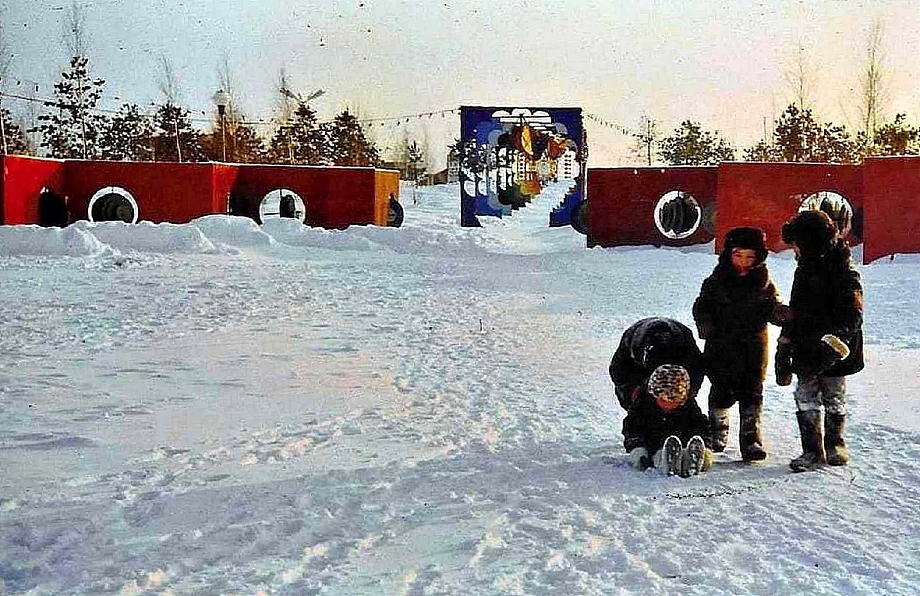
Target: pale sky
(719,63)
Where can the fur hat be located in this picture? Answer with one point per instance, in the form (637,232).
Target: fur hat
(748,238)
(811,230)
(670,383)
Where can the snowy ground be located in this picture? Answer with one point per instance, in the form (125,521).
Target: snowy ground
(219,408)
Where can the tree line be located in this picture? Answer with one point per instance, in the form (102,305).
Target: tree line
(797,137)
(72,126)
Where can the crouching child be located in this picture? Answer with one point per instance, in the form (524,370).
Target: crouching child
(665,427)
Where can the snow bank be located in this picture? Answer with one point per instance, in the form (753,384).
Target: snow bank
(293,233)
(165,238)
(233,230)
(35,240)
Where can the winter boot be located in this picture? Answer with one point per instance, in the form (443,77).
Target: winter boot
(672,456)
(718,425)
(750,436)
(694,457)
(812,442)
(834,446)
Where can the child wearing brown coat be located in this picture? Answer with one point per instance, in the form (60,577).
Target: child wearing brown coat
(731,312)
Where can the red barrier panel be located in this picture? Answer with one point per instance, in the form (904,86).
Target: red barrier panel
(334,197)
(766,195)
(892,211)
(164,192)
(172,192)
(21,185)
(624,204)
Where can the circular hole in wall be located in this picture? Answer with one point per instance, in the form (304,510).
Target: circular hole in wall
(835,205)
(677,214)
(284,203)
(112,203)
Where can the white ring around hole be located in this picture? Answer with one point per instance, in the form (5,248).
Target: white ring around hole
(665,198)
(112,190)
(270,202)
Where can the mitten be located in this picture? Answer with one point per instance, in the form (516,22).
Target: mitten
(832,351)
(782,315)
(707,459)
(783,362)
(837,345)
(639,459)
(703,329)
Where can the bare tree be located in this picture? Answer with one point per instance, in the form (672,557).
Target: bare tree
(645,139)
(6,57)
(873,82)
(6,62)
(230,120)
(75,31)
(800,75)
(168,83)
(74,34)
(287,101)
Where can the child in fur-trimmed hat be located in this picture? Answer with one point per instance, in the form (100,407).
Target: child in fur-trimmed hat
(732,310)
(657,371)
(823,343)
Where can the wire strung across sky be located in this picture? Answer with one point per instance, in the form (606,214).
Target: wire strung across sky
(395,120)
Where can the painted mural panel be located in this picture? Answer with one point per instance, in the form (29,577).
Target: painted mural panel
(507,155)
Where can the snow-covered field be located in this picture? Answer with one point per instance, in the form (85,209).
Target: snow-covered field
(223,408)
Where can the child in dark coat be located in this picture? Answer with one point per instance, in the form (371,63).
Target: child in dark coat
(647,344)
(657,370)
(667,423)
(823,343)
(731,312)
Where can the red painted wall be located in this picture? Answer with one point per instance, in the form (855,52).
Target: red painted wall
(891,218)
(621,203)
(22,182)
(766,195)
(334,197)
(165,192)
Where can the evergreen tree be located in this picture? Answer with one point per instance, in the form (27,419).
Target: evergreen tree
(691,145)
(304,139)
(174,137)
(759,152)
(349,146)
(795,137)
(834,145)
(244,145)
(897,138)
(414,162)
(247,146)
(128,136)
(14,137)
(798,137)
(73,130)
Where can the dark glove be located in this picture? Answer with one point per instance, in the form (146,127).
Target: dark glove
(627,396)
(703,329)
(783,362)
(782,315)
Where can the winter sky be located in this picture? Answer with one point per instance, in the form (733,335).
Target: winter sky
(716,62)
